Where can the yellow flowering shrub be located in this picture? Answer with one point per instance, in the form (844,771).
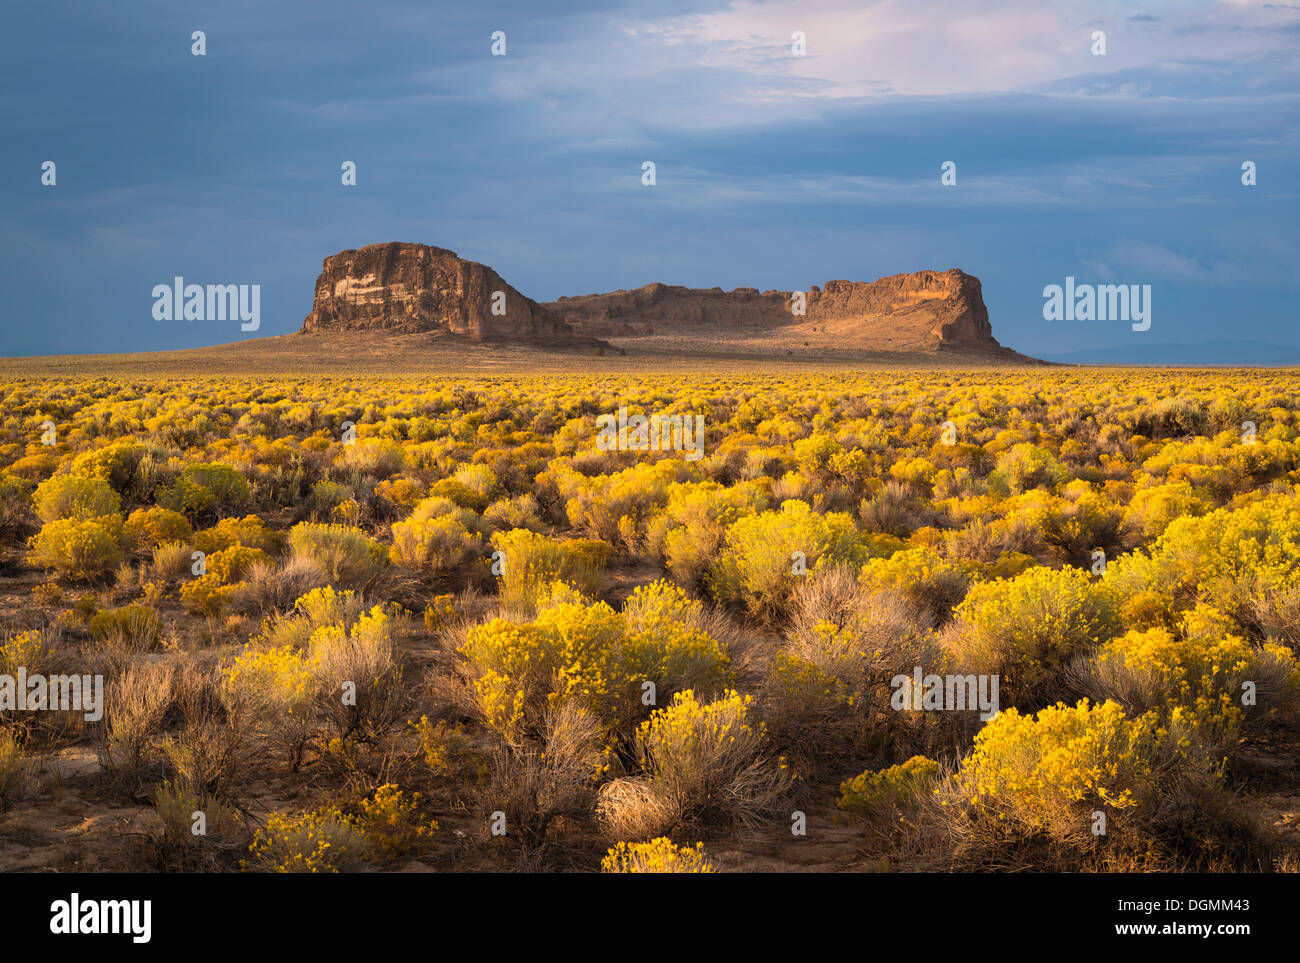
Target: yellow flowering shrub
(568,653)
(531,562)
(346,554)
(22,475)
(614,506)
(874,792)
(318,842)
(209,594)
(439,613)
(74,497)
(458,493)
(706,757)
(147,528)
(204,488)
(1202,669)
(1153,509)
(249,531)
(1049,772)
(232,564)
(327,605)
(206,595)
(31,650)
(1027,628)
(317,608)
(1026,466)
(1227,560)
(404,492)
(328,497)
(79,549)
(295,674)
(690,531)
(278,686)
(664,642)
(438,506)
(122,464)
(522,511)
(806,689)
(575,651)
(380,457)
(391,824)
(363,659)
(919,472)
(448,750)
(757,563)
(434,545)
(932,583)
(660,855)
(478,478)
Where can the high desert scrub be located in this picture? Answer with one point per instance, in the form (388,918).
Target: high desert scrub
(463,634)
(587,653)
(700,761)
(878,798)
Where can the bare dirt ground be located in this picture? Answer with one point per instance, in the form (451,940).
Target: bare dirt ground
(1274,783)
(313,355)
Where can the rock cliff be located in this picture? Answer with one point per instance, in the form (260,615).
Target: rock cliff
(406,288)
(927,310)
(401,288)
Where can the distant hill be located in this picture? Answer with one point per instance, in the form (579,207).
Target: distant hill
(1221,351)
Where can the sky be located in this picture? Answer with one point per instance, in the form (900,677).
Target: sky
(772,170)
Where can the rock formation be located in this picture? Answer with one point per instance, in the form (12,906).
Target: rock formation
(403,288)
(406,288)
(927,311)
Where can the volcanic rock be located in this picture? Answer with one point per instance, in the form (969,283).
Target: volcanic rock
(925,311)
(407,288)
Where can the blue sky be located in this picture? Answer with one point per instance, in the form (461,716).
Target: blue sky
(773,171)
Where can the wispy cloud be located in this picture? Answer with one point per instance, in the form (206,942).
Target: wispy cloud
(928,47)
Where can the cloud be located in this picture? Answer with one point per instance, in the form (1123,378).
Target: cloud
(1134,261)
(926,47)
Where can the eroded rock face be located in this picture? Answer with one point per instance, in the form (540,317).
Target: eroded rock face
(407,288)
(950,302)
(661,308)
(929,310)
(403,288)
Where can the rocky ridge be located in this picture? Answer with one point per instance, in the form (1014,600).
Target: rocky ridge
(926,310)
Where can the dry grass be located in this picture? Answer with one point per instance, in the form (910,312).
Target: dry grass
(137,702)
(535,785)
